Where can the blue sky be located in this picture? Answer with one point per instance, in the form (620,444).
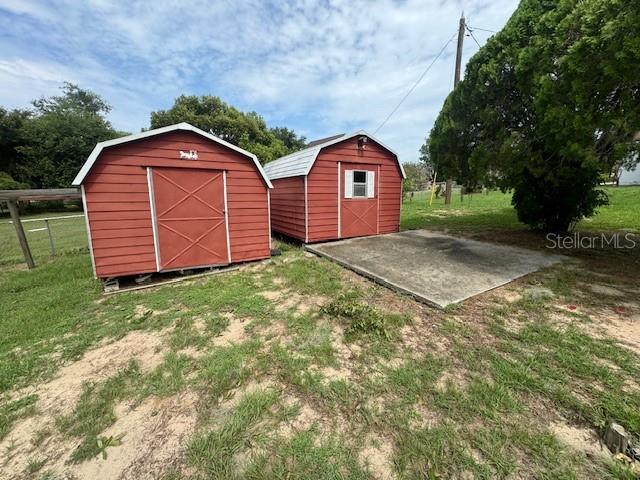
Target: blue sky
(319,67)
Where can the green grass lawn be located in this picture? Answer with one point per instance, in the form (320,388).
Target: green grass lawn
(495,212)
(296,368)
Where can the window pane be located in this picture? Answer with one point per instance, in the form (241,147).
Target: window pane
(359,177)
(359,190)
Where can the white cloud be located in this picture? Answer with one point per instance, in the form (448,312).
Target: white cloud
(318,67)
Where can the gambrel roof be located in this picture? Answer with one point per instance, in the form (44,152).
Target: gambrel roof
(301,162)
(158,131)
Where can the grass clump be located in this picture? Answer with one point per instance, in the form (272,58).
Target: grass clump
(212,453)
(362,318)
(306,455)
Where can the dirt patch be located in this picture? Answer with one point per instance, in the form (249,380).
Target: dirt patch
(234,333)
(606,290)
(336,373)
(627,332)
(579,439)
(140,311)
(424,417)
(59,395)
(454,379)
(273,295)
(285,299)
(155,433)
(199,325)
(345,352)
(376,455)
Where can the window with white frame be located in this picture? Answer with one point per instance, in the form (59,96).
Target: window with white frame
(359,184)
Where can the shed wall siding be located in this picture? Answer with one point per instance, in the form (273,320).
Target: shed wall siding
(119,211)
(287,207)
(323,187)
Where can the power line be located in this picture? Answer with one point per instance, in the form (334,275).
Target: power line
(472,36)
(415,84)
(484,29)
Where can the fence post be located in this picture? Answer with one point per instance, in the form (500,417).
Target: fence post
(53,248)
(22,238)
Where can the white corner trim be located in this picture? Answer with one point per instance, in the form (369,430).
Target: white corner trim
(158,131)
(86,221)
(226,215)
(154,218)
(378,202)
(306,212)
(339,202)
(269,215)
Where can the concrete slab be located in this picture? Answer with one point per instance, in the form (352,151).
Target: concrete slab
(434,268)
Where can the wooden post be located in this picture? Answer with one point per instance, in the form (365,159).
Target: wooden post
(456,80)
(53,248)
(22,238)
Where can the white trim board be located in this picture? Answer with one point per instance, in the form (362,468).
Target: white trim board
(306,213)
(339,201)
(226,215)
(301,162)
(154,223)
(269,216)
(158,131)
(86,221)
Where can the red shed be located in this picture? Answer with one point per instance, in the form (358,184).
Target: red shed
(340,187)
(171,199)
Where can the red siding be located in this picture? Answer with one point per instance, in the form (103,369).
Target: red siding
(287,207)
(119,211)
(322,187)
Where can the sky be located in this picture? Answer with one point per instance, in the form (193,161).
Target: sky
(319,67)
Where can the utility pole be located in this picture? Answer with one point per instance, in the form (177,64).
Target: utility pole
(456,80)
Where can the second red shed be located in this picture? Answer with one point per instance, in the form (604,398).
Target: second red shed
(340,187)
(173,198)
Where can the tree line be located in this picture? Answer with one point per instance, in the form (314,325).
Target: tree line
(548,108)
(45,145)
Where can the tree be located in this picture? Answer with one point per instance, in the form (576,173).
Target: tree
(547,106)
(8,183)
(246,130)
(418,176)
(60,135)
(289,138)
(11,123)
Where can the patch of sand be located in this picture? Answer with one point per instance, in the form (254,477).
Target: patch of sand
(285,299)
(456,379)
(155,433)
(273,295)
(59,396)
(199,325)
(579,439)
(376,455)
(141,311)
(605,290)
(234,333)
(425,417)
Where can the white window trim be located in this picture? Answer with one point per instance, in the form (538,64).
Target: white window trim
(354,183)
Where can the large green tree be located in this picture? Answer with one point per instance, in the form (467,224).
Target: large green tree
(247,130)
(11,123)
(547,106)
(59,136)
